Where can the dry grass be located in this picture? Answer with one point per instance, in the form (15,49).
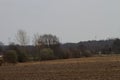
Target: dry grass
(93,68)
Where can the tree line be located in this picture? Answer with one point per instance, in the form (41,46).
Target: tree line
(48,47)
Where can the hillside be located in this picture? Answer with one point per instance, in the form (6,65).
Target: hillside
(92,45)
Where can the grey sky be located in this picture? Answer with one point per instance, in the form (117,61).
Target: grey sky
(70,20)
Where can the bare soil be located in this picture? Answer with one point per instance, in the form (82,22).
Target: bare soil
(92,68)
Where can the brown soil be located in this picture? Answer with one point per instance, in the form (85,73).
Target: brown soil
(93,68)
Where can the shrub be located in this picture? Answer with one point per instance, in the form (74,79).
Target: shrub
(1,61)
(22,57)
(46,54)
(86,54)
(10,56)
(20,51)
(64,55)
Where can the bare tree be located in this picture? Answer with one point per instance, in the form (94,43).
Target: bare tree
(49,39)
(22,37)
(36,39)
(46,39)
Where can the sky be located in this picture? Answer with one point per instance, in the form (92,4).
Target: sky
(70,20)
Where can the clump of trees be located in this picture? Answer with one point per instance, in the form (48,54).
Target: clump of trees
(21,52)
(45,47)
(48,47)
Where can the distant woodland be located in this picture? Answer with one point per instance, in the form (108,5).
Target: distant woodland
(48,47)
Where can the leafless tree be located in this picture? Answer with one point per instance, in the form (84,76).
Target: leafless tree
(22,37)
(49,39)
(46,39)
(36,39)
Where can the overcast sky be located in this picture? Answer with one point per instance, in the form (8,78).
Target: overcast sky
(70,20)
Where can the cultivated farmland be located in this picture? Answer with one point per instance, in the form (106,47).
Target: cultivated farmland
(93,68)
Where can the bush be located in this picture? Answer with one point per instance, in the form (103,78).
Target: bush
(21,52)
(86,54)
(46,54)
(22,57)
(10,56)
(1,61)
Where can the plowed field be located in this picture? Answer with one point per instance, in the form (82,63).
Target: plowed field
(93,68)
